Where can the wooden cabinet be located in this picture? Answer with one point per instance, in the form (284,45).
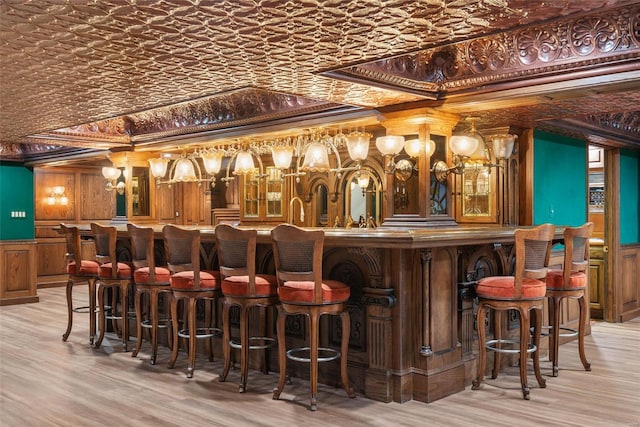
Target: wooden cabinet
(18,266)
(263,198)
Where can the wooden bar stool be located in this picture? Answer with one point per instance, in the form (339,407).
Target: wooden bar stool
(151,281)
(113,275)
(301,289)
(79,271)
(570,282)
(189,283)
(524,292)
(242,287)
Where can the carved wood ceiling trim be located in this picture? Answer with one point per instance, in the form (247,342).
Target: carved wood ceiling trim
(516,57)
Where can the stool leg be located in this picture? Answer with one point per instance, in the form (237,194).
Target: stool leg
(346,333)
(524,344)
(92,310)
(554,344)
(137,302)
(480,317)
(102,317)
(168,299)
(192,337)
(175,326)
(314,317)
(153,296)
(282,352)
(208,321)
(581,329)
(497,334)
(244,347)
(124,286)
(69,309)
(536,341)
(226,339)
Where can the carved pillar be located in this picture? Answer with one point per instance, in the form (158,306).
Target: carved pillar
(425,258)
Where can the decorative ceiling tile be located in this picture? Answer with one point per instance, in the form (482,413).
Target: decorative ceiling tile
(67,64)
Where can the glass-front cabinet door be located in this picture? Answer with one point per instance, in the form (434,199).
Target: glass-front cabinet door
(476,193)
(251,196)
(263,197)
(274,186)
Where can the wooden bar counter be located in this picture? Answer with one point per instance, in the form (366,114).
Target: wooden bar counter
(411,305)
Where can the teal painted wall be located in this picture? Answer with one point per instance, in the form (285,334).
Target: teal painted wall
(629,197)
(559,180)
(16,196)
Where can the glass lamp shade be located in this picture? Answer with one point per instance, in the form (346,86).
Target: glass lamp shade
(464,145)
(503,145)
(282,155)
(358,145)
(158,167)
(64,200)
(363,181)
(51,200)
(111,173)
(430,148)
(244,164)
(212,162)
(316,158)
(184,171)
(415,147)
(390,144)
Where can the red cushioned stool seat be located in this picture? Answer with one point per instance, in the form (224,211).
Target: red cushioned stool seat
(266,285)
(555,280)
(502,287)
(303,292)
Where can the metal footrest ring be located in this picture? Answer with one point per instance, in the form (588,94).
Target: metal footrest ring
(83,309)
(201,333)
(162,323)
(490,345)
(264,342)
(332,354)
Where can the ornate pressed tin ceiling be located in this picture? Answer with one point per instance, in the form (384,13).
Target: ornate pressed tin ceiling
(99,74)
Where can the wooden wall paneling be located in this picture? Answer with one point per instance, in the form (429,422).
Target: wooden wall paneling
(51,262)
(164,203)
(96,203)
(44,182)
(18,272)
(630,283)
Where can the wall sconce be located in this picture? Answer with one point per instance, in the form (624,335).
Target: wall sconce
(57,197)
(391,145)
(471,146)
(112,174)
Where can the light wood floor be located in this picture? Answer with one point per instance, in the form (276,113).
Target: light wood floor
(47,382)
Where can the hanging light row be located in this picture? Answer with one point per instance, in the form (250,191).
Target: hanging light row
(312,151)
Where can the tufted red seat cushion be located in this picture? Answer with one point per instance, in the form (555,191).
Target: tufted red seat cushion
(141,275)
(238,286)
(578,280)
(87,268)
(302,292)
(124,271)
(184,280)
(502,287)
